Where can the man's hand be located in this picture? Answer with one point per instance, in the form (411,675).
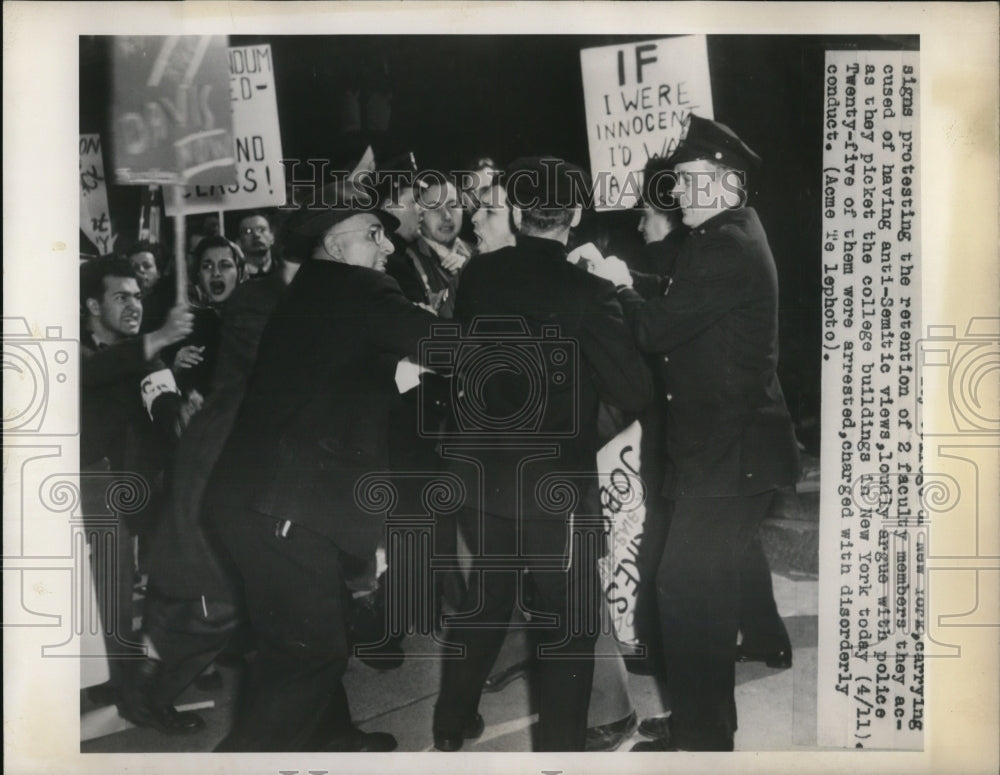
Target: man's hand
(587,256)
(189,356)
(614,270)
(427,307)
(179,324)
(190,407)
(454,261)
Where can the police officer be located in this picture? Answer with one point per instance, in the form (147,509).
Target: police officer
(729,438)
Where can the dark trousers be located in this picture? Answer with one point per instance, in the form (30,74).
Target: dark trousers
(762,627)
(564,648)
(292,698)
(698,587)
(188,636)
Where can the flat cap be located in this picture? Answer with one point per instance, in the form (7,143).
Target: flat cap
(712,140)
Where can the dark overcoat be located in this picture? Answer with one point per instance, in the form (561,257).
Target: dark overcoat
(313,421)
(728,431)
(565,311)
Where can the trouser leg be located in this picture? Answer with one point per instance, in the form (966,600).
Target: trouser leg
(186,641)
(761,624)
(565,653)
(698,591)
(485,610)
(293,591)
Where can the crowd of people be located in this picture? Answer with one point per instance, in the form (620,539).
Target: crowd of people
(254,402)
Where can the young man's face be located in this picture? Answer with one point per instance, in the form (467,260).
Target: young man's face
(218,274)
(144,264)
(441,213)
(119,310)
(491,221)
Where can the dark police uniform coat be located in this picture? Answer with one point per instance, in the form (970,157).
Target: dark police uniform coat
(729,444)
(728,431)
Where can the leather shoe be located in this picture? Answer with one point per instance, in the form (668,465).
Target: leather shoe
(500,680)
(608,737)
(655,727)
(471,731)
(696,740)
(134,704)
(780,659)
(168,720)
(660,744)
(357,741)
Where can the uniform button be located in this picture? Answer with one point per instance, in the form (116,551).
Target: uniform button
(666,359)
(670,396)
(749,476)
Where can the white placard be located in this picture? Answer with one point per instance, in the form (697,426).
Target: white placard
(95,215)
(260,177)
(637,99)
(623,504)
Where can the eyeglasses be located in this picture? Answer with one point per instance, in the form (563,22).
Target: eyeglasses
(376,232)
(249,231)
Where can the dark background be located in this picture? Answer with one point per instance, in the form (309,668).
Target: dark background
(454,98)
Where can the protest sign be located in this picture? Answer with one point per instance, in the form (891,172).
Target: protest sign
(260,176)
(170,117)
(637,99)
(95,215)
(623,505)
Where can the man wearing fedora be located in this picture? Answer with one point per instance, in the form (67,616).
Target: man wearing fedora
(281,496)
(729,437)
(571,328)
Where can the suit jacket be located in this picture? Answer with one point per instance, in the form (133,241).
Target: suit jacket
(728,431)
(564,311)
(314,417)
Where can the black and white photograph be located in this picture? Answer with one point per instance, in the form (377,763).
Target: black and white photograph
(522,382)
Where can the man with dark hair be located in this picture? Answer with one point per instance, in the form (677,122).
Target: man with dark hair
(157,292)
(531,287)
(429,268)
(256,240)
(131,416)
(729,437)
(117,361)
(312,422)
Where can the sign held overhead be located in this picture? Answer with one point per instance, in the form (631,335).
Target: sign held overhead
(637,99)
(170,117)
(260,176)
